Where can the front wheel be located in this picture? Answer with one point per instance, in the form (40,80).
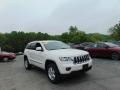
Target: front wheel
(115,56)
(53,73)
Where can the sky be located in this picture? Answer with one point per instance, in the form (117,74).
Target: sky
(56,16)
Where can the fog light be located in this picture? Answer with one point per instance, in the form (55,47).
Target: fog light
(68,68)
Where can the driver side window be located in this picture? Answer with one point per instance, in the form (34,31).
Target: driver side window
(38,45)
(32,46)
(101,45)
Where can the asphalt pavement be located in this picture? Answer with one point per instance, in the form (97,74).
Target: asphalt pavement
(105,75)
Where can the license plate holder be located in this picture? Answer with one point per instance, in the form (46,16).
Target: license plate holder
(85,66)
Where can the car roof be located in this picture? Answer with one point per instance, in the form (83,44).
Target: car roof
(45,41)
(104,42)
(108,43)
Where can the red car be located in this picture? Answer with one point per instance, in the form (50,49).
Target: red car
(105,49)
(7,56)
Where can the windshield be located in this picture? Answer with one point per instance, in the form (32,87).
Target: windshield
(54,45)
(112,45)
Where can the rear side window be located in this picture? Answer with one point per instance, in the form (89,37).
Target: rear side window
(28,46)
(31,46)
(101,45)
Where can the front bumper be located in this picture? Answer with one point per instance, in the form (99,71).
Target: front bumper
(75,67)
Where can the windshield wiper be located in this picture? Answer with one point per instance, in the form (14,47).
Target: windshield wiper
(58,48)
(63,48)
(52,49)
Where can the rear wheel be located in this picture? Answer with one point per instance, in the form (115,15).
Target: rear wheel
(53,73)
(27,64)
(115,56)
(5,59)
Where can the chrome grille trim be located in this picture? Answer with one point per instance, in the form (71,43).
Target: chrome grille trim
(81,59)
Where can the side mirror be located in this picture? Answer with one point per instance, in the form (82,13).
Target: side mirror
(38,49)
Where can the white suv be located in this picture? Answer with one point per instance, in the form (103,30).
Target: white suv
(56,57)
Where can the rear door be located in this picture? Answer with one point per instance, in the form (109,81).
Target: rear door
(32,53)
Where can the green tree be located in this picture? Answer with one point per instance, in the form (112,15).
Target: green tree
(16,41)
(2,39)
(73,29)
(94,37)
(115,31)
(65,37)
(74,35)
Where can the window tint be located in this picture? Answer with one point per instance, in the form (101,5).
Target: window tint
(28,46)
(38,45)
(101,45)
(95,46)
(33,46)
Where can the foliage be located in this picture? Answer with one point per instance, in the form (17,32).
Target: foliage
(74,35)
(2,39)
(94,37)
(115,31)
(16,41)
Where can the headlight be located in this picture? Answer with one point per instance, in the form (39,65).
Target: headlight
(66,59)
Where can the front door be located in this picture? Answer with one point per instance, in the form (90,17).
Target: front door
(39,56)
(101,50)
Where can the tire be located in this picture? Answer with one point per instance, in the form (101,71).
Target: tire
(27,64)
(5,59)
(10,60)
(115,56)
(53,73)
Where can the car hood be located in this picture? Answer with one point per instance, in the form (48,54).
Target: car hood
(6,53)
(67,52)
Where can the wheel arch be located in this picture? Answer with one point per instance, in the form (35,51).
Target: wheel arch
(48,61)
(25,57)
(116,53)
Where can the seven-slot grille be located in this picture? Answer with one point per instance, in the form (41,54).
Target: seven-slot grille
(81,59)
